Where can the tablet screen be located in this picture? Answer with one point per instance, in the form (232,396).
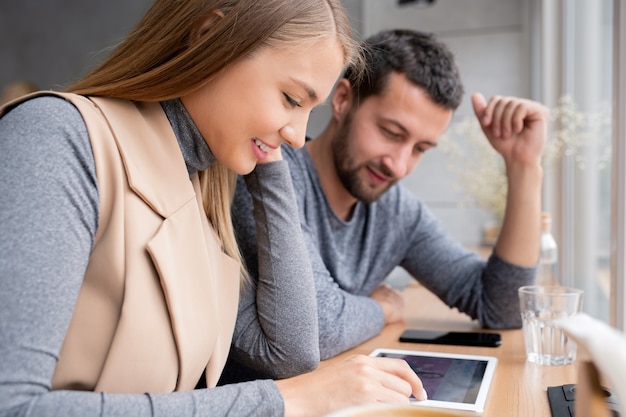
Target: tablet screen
(451,380)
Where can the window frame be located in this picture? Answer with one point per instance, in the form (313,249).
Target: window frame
(618,176)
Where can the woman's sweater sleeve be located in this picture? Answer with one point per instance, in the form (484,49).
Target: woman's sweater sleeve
(276,333)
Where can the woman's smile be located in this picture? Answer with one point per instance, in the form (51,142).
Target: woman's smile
(261,149)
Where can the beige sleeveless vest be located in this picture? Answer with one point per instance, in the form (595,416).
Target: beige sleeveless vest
(159,298)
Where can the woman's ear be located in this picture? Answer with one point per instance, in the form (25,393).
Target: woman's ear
(341,101)
(205,24)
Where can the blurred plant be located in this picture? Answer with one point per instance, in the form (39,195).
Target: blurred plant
(571,133)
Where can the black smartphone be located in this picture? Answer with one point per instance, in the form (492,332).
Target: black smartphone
(451,338)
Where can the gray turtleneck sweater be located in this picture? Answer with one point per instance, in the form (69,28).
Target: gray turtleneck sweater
(48,220)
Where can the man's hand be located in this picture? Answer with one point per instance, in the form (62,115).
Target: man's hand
(515,127)
(391,301)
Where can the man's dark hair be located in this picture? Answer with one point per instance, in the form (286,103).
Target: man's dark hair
(424,60)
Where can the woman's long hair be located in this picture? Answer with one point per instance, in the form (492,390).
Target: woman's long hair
(167,56)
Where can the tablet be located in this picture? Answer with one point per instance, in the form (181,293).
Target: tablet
(452,381)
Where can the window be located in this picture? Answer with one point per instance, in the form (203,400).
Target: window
(574,52)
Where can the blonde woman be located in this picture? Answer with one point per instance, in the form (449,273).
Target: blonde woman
(120,271)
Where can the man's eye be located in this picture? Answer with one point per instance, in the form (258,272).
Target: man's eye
(391,134)
(291,101)
(421,148)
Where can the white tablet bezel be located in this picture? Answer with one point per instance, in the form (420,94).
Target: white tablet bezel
(479,405)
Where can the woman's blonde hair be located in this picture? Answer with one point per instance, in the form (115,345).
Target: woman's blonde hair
(173,52)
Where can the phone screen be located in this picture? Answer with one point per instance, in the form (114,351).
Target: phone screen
(451,338)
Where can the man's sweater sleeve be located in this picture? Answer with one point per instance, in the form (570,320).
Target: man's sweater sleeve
(346,320)
(485,290)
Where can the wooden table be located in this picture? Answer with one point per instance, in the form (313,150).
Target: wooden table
(519,387)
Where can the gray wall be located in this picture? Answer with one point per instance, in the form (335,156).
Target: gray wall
(53,42)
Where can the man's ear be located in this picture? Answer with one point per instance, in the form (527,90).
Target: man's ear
(205,24)
(341,101)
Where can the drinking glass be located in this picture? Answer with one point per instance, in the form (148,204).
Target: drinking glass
(541,306)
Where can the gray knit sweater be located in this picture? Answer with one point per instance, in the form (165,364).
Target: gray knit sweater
(48,220)
(351,258)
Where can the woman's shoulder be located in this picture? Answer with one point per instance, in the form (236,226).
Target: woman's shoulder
(47,125)
(43,108)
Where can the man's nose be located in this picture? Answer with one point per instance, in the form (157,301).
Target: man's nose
(399,163)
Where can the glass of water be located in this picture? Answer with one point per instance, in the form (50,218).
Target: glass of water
(540,307)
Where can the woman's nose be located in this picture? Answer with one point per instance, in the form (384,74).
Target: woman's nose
(294,133)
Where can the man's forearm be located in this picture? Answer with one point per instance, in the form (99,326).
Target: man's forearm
(519,240)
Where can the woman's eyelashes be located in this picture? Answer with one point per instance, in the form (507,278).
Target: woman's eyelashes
(292,102)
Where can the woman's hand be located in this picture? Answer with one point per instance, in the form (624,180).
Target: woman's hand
(356,380)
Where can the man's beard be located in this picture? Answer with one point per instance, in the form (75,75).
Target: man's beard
(346,170)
